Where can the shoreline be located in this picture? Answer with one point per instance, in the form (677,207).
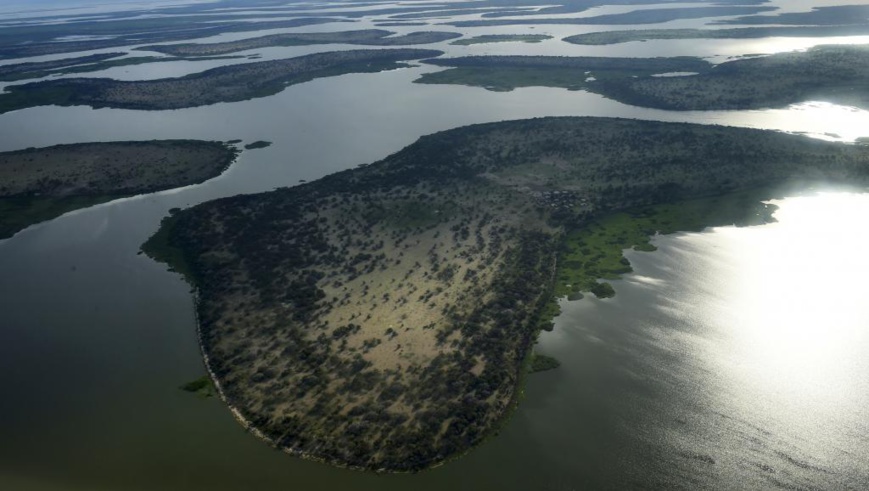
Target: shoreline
(41,184)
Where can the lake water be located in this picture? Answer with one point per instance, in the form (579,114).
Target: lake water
(682,380)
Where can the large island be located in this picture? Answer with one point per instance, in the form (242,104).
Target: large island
(832,73)
(381,318)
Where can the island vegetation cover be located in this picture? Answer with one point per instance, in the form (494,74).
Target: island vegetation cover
(381,317)
(38,184)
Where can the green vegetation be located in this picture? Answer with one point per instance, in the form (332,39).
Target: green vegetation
(368,37)
(39,184)
(828,73)
(382,317)
(502,38)
(257,144)
(162,247)
(542,363)
(223,84)
(614,37)
(203,387)
(603,290)
(595,251)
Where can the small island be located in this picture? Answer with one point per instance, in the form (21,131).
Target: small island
(502,38)
(368,37)
(23,71)
(382,318)
(257,144)
(223,84)
(832,73)
(38,184)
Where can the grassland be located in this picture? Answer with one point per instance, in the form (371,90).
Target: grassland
(367,37)
(615,37)
(202,387)
(39,184)
(502,38)
(835,74)
(223,84)
(594,251)
(542,363)
(382,317)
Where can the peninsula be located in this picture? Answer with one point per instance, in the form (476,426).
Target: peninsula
(381,318)
(832,73)
(39,184)
(223,84)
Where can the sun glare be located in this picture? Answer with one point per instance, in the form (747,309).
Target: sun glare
(798,308)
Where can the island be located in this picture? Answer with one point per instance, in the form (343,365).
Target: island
(502,38)
(504,73)
(93,63)
(257,144)
(38,184)
(831,73)
(382,317)
(615,37)
(369,37)
(43,39)
(222,84)
(648,16)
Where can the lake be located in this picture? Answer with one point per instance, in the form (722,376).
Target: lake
(700,372)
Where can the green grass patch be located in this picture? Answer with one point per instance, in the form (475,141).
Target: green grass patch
(541,363)
(160,248)
(203,387)
(594,252)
